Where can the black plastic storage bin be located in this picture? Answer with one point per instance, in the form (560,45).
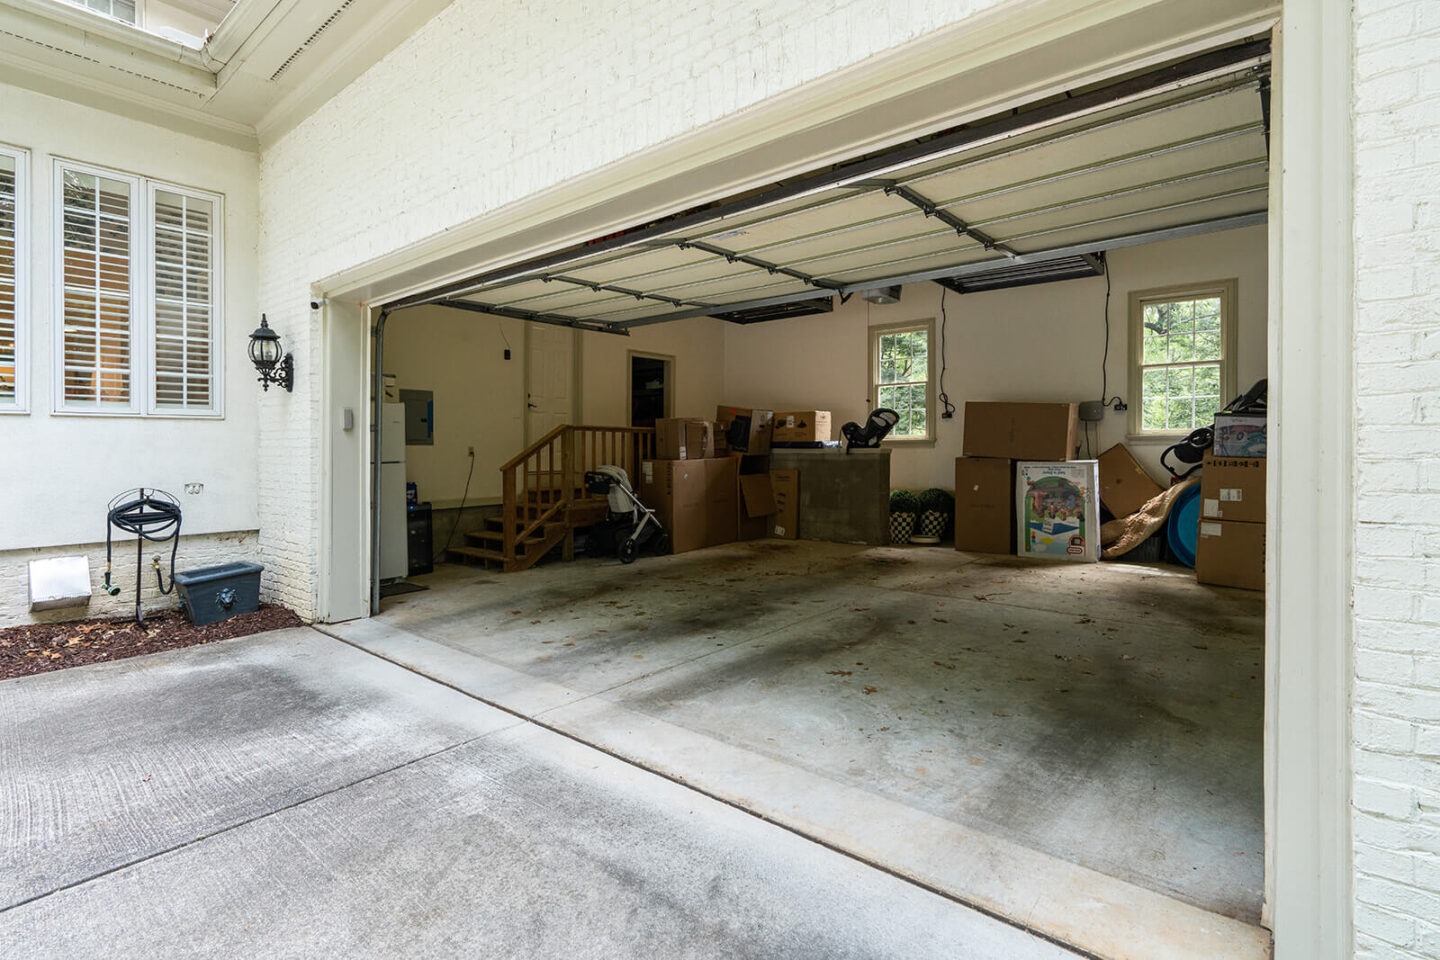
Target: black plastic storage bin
(212,594)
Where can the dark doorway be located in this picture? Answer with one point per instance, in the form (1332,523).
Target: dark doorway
(649,389)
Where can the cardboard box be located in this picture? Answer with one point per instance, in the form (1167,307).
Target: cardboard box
(746,430)
(754,498)
(694,499)
(1021,431)
(1125,487)
(1233,488)
(722,448)
(1231,553)
(682,439)
(1239,435)
(984,505)
(1057,507)
(785,484)
(802,426)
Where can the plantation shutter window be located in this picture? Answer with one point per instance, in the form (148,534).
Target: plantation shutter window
(97,256)
(184,304)
(9,281)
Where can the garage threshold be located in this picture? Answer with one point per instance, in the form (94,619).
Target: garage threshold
(623,702)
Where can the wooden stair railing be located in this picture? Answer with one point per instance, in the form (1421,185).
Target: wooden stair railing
(543,497)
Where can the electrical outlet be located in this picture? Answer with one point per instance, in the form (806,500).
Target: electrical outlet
(470,451)
(194,488)
(1120,406)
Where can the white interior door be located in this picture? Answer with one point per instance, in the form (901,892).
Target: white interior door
(549,378)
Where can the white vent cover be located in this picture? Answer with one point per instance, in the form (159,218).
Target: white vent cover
(59,582)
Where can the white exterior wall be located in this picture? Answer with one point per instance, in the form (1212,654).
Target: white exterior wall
(485,104)
(1396,710)
(58,472)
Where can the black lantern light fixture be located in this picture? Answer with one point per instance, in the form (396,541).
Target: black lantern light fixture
(265,354)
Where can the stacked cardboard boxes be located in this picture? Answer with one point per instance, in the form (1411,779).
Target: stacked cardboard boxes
(681,439)
(996,436)
(1230,551)
(694,499)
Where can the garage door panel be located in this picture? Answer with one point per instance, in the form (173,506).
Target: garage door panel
(756,284)
(1141,222)
(710,268)
(511,292)
(637,262)
(880,271)
(563,297)
(824,215)
(904,226)
(1237,108)
(945,243)
(1113,186)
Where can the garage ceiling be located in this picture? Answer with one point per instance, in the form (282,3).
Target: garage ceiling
(1175,151)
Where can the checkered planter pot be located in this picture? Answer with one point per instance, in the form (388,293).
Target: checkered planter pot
(902,525)
(932,524)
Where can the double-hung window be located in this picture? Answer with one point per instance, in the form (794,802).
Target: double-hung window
(1182,350)
(14,264)
(138,295)
(902,372)
(126,10)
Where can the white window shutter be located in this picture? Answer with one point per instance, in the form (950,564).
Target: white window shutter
(98,295)
(184,300)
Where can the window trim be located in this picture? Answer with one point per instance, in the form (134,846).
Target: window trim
(21,404)
(931,388)
(216,409)
(142,311)
(138,307)
(1227,291)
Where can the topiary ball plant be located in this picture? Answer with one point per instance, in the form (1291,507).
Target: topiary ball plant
(903,501)
(940,501)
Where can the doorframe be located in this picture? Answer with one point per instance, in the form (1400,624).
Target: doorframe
(1309,860)
(525,378)
(669,362)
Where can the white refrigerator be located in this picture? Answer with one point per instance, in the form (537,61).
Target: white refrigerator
(394,533)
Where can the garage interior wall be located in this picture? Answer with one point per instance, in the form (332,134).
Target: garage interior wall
(1035,343)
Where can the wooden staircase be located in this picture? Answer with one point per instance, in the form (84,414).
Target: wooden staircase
(544,496)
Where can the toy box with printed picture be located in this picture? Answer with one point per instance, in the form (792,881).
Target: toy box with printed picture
(1057,506)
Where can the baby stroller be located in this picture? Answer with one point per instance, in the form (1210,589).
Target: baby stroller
(626,510)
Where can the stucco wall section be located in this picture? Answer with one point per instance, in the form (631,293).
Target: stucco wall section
(1396,729)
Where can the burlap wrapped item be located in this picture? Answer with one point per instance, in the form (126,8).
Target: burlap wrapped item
(1119,537)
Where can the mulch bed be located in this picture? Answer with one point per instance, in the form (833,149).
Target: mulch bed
(42,647)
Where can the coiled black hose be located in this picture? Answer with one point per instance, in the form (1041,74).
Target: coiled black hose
(152,515)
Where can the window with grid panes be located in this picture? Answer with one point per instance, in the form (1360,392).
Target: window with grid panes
(125,10)
(903,376)
(1183,342)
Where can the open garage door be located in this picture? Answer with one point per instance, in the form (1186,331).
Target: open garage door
(1029,195)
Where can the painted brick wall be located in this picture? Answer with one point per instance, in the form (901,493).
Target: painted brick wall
(1396,817)
(490,102)
(199,551)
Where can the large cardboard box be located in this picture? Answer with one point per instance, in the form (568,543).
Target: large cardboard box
(1233,488)
(1125,487)
(746,430)
(1231,553)
(1057,506)
(1021,431)
(754,497)
(683,439)
(984,505)
(802,426)
(784,523)
(694,499)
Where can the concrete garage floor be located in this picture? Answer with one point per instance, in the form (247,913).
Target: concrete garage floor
(286,795)
(1077,747)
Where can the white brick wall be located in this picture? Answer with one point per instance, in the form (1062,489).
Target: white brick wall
(1396,719)
(490,102)
(197,551)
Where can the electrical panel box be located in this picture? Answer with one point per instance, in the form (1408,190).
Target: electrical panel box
(419,417)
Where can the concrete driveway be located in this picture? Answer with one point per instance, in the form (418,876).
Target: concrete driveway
(288,795)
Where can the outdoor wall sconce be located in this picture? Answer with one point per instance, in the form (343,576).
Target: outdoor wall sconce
(265,354)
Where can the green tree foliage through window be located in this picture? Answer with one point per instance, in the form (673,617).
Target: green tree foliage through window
(903,380)
(1182,353)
